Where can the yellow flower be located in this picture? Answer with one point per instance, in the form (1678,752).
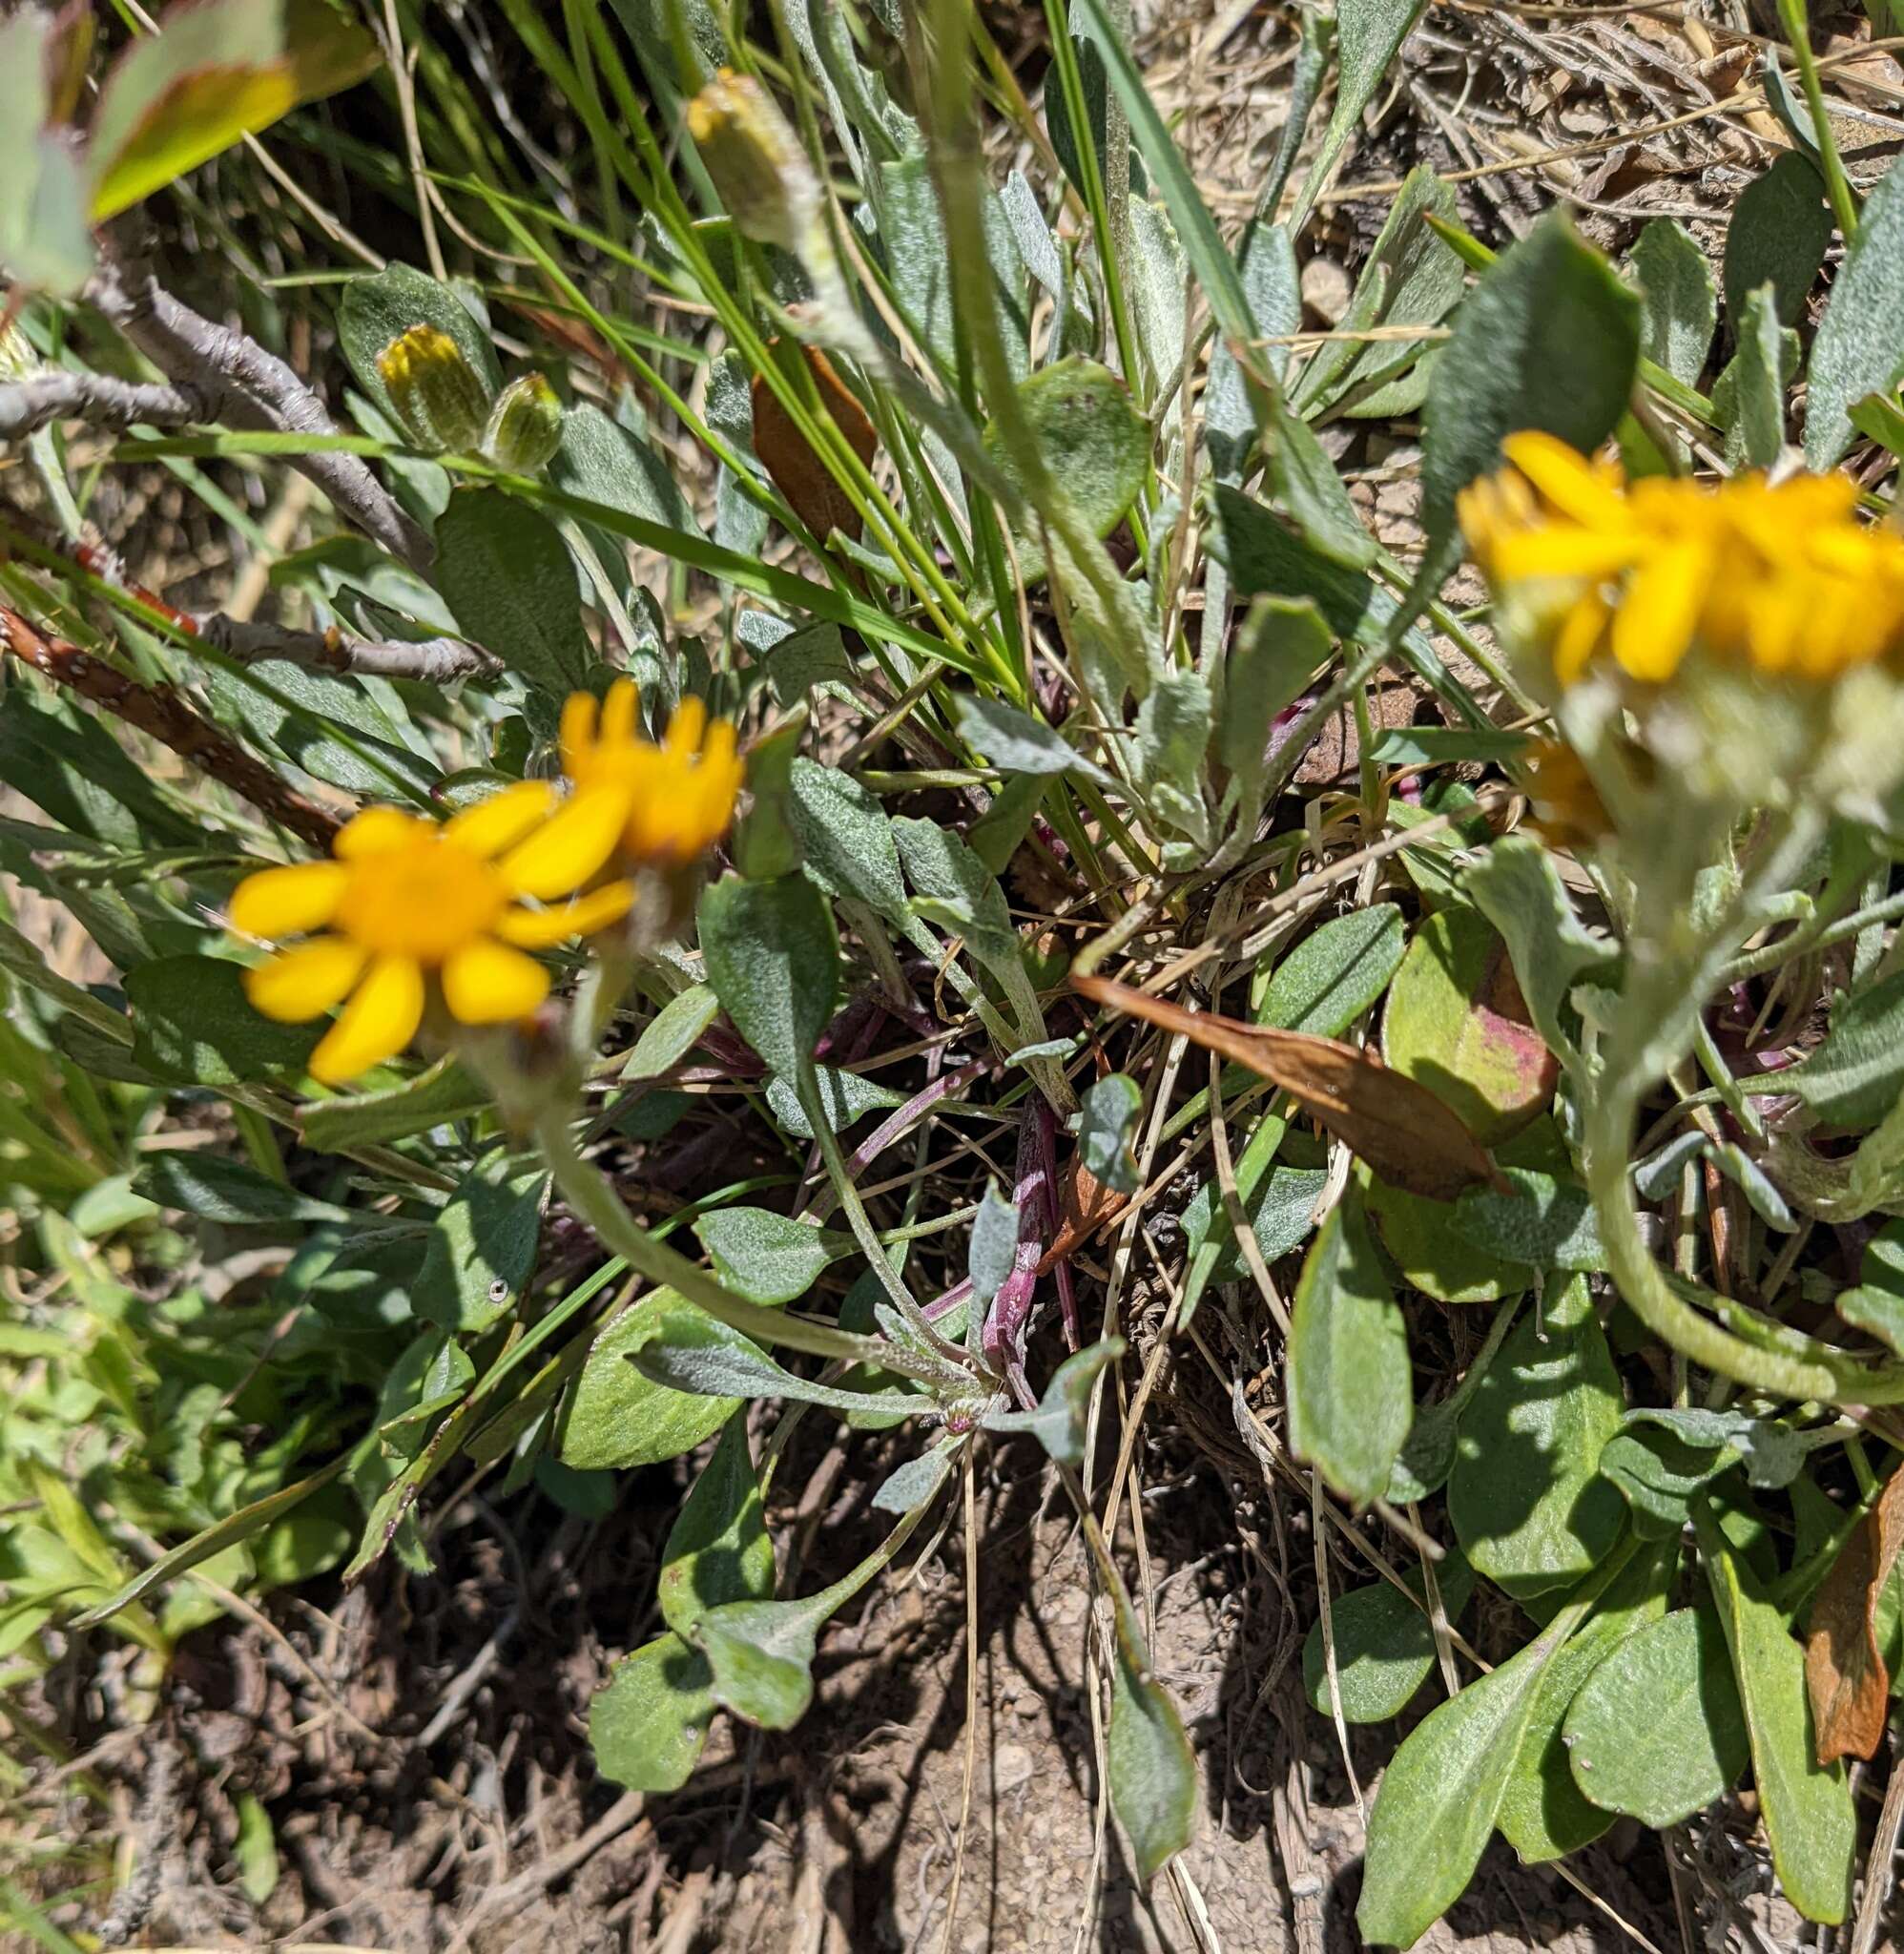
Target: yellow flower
(1780,577)
(410,906)
(676,798)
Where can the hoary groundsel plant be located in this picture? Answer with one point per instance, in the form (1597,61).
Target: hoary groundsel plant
(825,623)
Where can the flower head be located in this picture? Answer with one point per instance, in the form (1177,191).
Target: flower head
(439,397)
(413,911)
(677,797)
(1778,579)
(755,160)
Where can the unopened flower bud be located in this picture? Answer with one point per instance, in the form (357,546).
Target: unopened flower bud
(525,426)
(438,395)
(755,160)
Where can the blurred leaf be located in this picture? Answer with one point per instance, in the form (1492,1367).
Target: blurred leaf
(672,1033)
(1549,339)
(482,1244)
(1350,1387)
(1517,887)
(213,1189)
(912,232)
(512,583)
(1857,349)
(1095,445)
(846,839)
(1679,307)
(214,71)
(1283,642)
(249,1519)
(193,1023)
(1017,743)
(1778,234)
(1368,35)
(437,1094)
(256,1850)
(44,233)
(772,958)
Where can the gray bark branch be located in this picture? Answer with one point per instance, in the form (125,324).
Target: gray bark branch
(236,380)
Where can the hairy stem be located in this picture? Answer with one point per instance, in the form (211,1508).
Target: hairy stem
(588,1193)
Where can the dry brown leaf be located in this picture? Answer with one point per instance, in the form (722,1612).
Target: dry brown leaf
(798,472)
(1845,1672)
(1086,1207)
(1412,1139)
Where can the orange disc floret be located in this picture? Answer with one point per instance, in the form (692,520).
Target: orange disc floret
(410,905)
(676,798)
(1781,576)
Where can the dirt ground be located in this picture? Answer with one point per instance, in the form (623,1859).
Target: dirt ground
(422,1745)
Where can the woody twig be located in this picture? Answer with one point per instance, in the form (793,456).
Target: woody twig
(162,713)
(225,376)
(435,660)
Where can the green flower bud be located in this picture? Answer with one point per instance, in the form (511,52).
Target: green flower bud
(525,426)
(438,395)
(755,161)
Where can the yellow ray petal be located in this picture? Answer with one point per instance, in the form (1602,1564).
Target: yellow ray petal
(686,727)
(541,930)
(619,712)
(381,1019)
(1559,550)
(490,984)
(577,731)
(1567,479)
(503,820)
(288,901)
(1579,638)
(1656,619)
(567,849)
(297,985)
(376,831)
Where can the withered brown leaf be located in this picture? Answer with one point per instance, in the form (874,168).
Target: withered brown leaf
(1413,1139)
(1845,1670)
(1086,1207)
(798,472)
